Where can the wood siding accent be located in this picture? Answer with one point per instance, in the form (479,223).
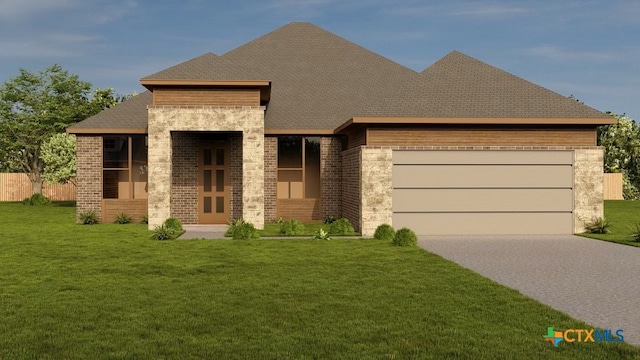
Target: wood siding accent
(482,136)
(613,186)
(17,187)
(206,97)
(136,208)
(357,138)
(299,209)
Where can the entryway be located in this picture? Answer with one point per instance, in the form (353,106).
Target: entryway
(213,182)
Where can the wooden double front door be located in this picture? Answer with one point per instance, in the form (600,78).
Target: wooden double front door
(213,183)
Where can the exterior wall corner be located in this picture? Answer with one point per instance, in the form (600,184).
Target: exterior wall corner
(588,187)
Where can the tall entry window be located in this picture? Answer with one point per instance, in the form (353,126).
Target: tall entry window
(124,167)
(298,167)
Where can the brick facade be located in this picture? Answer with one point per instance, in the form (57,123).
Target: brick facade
(270,177)
(351,173)
(235,176)
(184,172)
(331,176)
(89,170)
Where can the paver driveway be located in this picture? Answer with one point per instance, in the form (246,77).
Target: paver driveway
(591,280)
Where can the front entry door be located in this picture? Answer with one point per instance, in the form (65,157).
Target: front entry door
(213,183)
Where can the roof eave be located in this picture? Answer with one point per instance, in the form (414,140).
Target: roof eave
(105,131)
(151,83)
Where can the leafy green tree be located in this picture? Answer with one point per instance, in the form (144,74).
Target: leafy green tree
(621,144)
(34,106)
(59,156)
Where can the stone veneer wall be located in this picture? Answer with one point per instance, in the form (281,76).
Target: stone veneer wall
(184,173)
(165,119)
(588,189)
(376,188)
(270,177)
(351,161)
(331,176)
(89,174)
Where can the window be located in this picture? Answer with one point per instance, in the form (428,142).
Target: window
(298,167)
(124,167)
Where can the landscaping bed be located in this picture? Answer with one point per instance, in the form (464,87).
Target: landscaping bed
(623,216)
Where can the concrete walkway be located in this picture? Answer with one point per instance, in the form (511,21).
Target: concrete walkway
(204,231)
(591,280)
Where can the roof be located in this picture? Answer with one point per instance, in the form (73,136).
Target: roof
(320,80)
(128,116)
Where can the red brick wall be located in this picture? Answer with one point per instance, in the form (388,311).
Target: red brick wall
(270,177)
(89,190)
(351,162)
(235,175)
(331,176)
(184,178)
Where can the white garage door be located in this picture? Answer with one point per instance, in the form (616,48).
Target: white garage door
(483,192)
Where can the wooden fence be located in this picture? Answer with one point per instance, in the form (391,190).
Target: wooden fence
(613,186)
(17,187)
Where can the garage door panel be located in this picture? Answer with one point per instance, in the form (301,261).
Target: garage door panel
(485,223)
(434,200)
(482,157)
(497,176)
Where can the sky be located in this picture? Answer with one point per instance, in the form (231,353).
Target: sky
(588,49)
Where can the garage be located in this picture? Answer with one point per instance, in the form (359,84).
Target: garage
(481,192)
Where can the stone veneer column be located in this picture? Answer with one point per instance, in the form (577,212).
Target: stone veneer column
(165,119)
(89,174)
(376,189)
(588,187)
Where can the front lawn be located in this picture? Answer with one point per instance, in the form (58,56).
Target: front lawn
(108,292)
(624,215)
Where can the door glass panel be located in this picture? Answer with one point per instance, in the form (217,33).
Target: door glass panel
(219,156)
(206,156)
(207,181)
(220,204)
(207,205)
(219,180)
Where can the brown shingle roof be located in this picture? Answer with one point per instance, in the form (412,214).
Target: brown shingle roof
(320,80)
(130,114)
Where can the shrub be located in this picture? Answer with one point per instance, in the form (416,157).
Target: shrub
(329,219)
(635,233)
(292,227)
(321,235)
(279,221)
(244,231)
(163,232)
(174,224)
(598,226)
(341,227)
(145,219)
(232,226)
(37,200)
(405,237)
(89,217)
(122,218)
(384,232)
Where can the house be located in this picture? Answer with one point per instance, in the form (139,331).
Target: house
(301,123)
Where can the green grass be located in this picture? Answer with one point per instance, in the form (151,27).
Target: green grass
(108,292)
(624,215)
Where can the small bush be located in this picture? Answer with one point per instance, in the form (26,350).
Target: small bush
(598,226)
(122,218)
(405,237)
(292,227)
(244,231)
(232,226)
(279,221)
(635,233)
(37,200)
(329,219)
(341,227)
(384,232)
(163,232)
(175,224)
(145,219)
(321,235)
(89,217)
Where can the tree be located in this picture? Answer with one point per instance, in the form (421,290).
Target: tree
(621,144)
(33,107)
(59,156)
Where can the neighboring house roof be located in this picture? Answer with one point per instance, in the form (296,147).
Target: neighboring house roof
(320,80)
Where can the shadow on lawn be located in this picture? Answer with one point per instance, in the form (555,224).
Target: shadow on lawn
(64,203)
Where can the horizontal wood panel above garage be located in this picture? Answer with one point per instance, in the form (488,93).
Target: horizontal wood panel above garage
(206,96)
(482,135)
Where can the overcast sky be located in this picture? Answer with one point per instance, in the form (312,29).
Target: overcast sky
(589,49)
